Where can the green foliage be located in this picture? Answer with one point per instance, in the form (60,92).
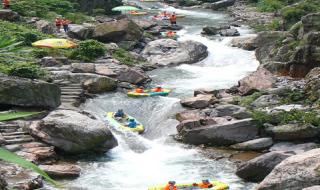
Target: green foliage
(88,50)
(247,100)
(78,18)
(274,25)
(269,5)
(24,70)
(16,115)
(39,53)
(15,159)
(124,57)
(284,117)
(294,96)
(29,38)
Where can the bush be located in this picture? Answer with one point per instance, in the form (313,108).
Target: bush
(247,100)
(24,70)
(29,38)
(269,5)
(88,50)
(39,53)
(124,57)
(274,25)
(20,31)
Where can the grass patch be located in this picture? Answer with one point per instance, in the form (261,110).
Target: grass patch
(124,57)
(16,115)
(247,100)
(88,50)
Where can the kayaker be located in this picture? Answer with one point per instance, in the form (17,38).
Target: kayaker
(158,89)
(58,23)
(65,24)
(119,114)
(171,34)
(173,19)
(171,186)
(132,123)
(6,4)
(139,90)
(204,185)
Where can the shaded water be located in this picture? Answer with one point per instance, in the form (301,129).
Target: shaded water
(154,158)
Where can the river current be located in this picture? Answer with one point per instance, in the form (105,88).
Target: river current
(154,158)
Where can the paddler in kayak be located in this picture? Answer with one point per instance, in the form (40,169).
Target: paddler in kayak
(133,12)
(171,34)
(132,123)
(139,90)
(119,114)
(171,186)
(173,19)
(204,185)
(158,89)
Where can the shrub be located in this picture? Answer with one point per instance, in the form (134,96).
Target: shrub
(124,57)
(274,25)
(247,100)
(29,38)
(269,5)
(40,53)
(88,50)
(26,70)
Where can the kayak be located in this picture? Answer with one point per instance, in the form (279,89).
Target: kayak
(149,93)
(138,13)
(218,185)
(121,124)
(164,34)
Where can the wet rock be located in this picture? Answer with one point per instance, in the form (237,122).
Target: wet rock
(83,67)
(229,133)
(256,144)
(222,4)
(257,169)
(259,80)
(205,92)
(28,93)
(294,173)
(316,187)
(100,84)
(9,15)
(102,69)
(171,27)
(29,184)
(235,111)
(61,170)
(246,43)
(198,102)
(266,101)
(45,27)
(73,132)
(211,30)
(189,124)
(133,76)
(120,30)
(229,32)
(81,32)
(296,148)
(145,24)
(188,115)
(290,132)
(3,183)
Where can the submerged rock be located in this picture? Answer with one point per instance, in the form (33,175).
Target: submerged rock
(257,169)
(73,132)
(294,173)
(168,52)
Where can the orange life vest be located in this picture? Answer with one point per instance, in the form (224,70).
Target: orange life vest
(139,90)
(205,186)
(157,90)
(173,18)
(65,22)
(58,22)
(168,187)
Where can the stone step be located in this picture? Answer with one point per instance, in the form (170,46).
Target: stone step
(69,100)
(19,141)
(15,133)
(8,126)
(69,97)
(16,137)
(8,130)
(70,88)
(63,93)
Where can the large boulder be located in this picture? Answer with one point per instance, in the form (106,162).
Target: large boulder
(229,32)
(235,111)
(228,133)
(311,22)
(121,30)
(198,102)
(256,144)
(313,84)
(246,43)
(28,93)
(73,132)
(83,67)
(259,80)
(133,76)
(100,84)
(45,27)
(222,4)
(213,30)
(9,15)
(294,173)
(257,169)
(316,187)
(80,32)
(168,52)
(291,132)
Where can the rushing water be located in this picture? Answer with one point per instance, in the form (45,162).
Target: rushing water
(154,158)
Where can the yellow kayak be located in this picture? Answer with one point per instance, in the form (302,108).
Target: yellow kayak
(121,124)
(218,185)
(138,13)
(149,93)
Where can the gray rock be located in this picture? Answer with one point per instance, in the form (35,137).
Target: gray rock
(61,170)
(296,148)
(222,4)
(3,183)
(211,30)
(28,93)
(257,169)
(188,115)
(83,67)
(189,124)
(102,69)
(229,133)
(198,102)
(235,111)
(291,132)
(45,27)
(316,187)
(313,84)
(100,84)
(311,22)
(73,132)
(246,43)
(229,32)
(80,32)
(294,173)
(168,52)
(266,101)
(133,76)
(145,24)
(9,15)
(256,144)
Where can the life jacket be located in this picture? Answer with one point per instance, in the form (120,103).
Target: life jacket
(65,22)
(205,186)
(168,187)
(173,18)
(157,90)
(171,34)
(139,90)
(58,22)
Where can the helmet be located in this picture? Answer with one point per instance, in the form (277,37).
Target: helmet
(205,181)
(131,119)
(172,182)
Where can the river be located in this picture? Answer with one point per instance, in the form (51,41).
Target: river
(154,157)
